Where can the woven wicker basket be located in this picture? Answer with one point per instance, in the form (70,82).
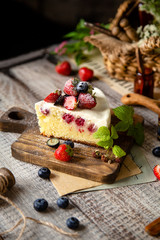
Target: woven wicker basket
(120,58)
(120,53)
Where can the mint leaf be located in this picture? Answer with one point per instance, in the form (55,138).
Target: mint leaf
(130,131)
(122,126)
(124,113)
(101,132)
(118,151)
(114,134)
(106,144)
(137,132)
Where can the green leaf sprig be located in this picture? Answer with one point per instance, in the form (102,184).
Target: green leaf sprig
(125,114)
(77,46)
(107,136)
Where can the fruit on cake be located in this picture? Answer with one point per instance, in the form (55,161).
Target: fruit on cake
(75,114)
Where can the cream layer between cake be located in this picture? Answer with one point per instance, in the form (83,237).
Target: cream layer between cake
(76,125)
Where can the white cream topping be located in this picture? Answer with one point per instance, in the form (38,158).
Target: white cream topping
(100,115)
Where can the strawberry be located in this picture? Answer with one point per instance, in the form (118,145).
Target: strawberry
(86,100)
(156,171)
(52,97)
(63,68)
(64,153)
(70,87)
(85,73)
(70,102)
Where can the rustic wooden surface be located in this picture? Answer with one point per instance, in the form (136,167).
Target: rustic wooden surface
(31,147)
(120,213)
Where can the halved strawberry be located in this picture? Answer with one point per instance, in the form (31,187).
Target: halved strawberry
(52,97)
(156,171)
(64,153)
(86,100)
(70,87)
(70,102)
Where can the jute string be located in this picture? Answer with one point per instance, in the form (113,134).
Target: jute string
(24,218)
(7,179)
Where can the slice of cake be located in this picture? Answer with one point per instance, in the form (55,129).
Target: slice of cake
(76,115)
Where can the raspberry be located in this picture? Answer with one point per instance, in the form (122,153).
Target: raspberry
(68,117)
(86,100)
(70,102)
(92,128)
(70,87)
(44,111)
(80,121)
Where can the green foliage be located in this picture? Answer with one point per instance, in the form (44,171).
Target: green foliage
(124,113)
(77,46)
(137,132)
(152,7)
(107,140)
(118,151)
(107,136)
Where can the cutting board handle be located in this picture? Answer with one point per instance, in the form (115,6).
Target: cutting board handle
(16,120)
(137,99)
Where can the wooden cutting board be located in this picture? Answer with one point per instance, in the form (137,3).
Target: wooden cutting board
(31,147)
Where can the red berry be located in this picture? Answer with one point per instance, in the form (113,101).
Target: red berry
(63,68)
(86,100)
(70,102)
(44,111)
(70,87)
(68,117)
(156,171)
(52,97)
(79,121)
(92,128)
(85,73)
(64,153)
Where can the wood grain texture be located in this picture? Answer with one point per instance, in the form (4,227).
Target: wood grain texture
(118,214)
(12,93)
(31,147)
(137,99)
(153,228)
(28,185)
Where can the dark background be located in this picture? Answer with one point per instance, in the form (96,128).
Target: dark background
(28,25)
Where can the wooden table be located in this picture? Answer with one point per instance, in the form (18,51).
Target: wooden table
(120,213)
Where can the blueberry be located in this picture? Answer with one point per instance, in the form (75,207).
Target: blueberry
(72,223)
(62,202)
(40,204)
(156,151)
(44,172)
(70,143)
(82,87)
(53,142)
